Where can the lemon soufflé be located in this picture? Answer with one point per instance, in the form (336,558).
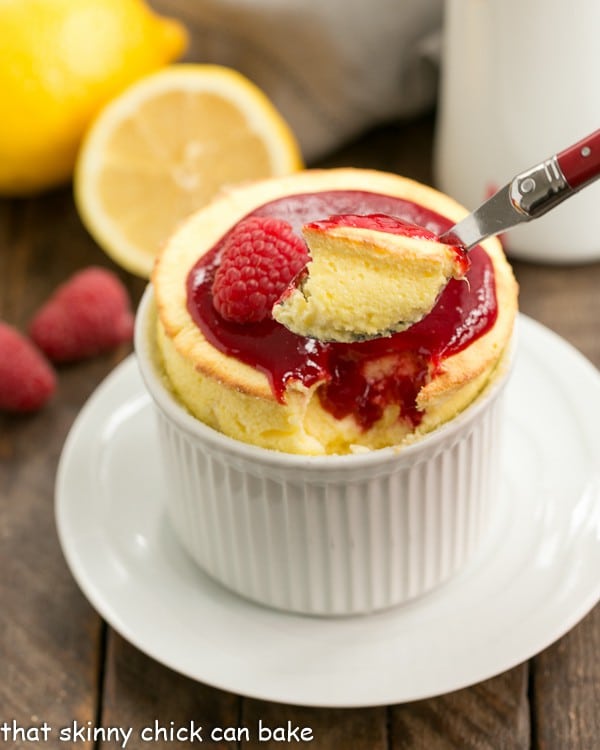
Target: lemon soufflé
(224,276)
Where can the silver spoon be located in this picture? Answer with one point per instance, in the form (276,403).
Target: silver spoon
(527,196)
(531,194)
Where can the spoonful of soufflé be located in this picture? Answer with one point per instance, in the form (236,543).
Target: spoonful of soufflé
(372,276)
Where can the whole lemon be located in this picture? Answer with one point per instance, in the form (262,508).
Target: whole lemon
(60,62)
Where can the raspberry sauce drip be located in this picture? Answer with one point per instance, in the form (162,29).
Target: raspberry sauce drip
(359,378)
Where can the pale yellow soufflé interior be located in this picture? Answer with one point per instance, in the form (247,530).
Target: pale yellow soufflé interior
(237,399)
(353,290)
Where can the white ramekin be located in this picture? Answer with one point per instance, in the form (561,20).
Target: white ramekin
(326,535)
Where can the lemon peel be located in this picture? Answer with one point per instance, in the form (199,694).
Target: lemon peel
(60,62)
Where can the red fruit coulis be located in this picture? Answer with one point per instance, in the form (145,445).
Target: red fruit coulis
(359,378)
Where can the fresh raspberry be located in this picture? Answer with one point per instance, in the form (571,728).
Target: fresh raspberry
(27,380)
(87,315)
(260,258)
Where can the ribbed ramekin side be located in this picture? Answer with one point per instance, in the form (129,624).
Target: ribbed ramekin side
(320,546)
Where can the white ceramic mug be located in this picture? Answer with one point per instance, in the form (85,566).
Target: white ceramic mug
(520,82)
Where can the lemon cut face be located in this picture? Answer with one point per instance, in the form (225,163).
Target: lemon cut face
(166,147)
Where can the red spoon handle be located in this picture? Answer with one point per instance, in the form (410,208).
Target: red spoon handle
(580,163)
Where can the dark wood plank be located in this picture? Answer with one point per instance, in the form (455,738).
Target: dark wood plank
(566,690)
(493,715)
(49,635)
(329,728)
(156,703)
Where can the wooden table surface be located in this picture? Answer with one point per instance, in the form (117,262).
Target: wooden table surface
(59,662)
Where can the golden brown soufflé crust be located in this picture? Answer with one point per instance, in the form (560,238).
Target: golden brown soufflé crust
(237,399)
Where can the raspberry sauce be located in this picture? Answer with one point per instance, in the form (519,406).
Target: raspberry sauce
(359,378)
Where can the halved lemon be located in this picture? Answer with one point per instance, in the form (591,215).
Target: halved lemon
(165,147)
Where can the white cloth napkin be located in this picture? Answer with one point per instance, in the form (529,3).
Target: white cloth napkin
(332,67)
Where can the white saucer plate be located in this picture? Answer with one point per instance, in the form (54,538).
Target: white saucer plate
(535,577)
